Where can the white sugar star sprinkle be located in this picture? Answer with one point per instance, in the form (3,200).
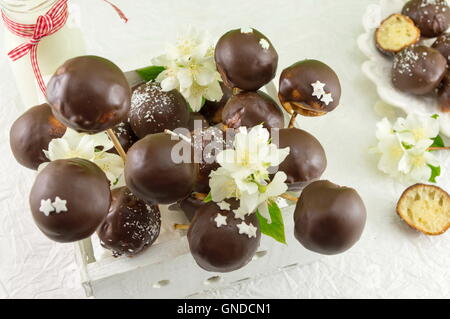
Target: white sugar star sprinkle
(318,89)
(60,205)
(220,220)
(224,205)
(265,44)
(326,98)
(246,30)
(252,231)
(248,230)
(239,214)
(46,207)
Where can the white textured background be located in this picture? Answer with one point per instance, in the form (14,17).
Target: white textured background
(390,261)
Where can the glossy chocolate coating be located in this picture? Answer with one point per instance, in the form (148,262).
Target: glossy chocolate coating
(296,90)
(329,219)
(152,175)
(444,94)
(252,108)
(31,133)
(246,61)
(125,135)
(188,206)
(85,188)
(442,44)
(153,110)
(221,249)
(418,70)
(432,17)
(196,121)
(306,161)
(212,111)
(89,94)
(130,226)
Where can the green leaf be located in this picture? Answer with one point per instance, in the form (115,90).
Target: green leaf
(435,116)
(438,142)
(435,172)
(276,228)
(150,73)
(208,198)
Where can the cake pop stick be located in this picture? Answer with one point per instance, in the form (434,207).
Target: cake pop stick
(292,121)
(117,144)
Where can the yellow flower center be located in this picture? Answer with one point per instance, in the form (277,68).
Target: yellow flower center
(419,133)
(396,151)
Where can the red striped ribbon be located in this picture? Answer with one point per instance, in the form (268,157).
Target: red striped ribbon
(45,25)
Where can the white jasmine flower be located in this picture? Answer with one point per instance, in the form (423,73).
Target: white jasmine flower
(415,128)
(273,190)
(71,145)
(404,147)
(416,164)
(190,68)
(222,185)
(111,164)
(90,147)
(244,172)
(252,154)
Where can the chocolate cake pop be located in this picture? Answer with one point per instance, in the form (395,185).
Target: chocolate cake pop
(418,70)
(309,88)
(432,17)
(152,174)
(219,242)
(153,110)
(329,219)
(246,59)
(212,111)
(252,108)
(89,94)
(306,161)
(69,199)
(442,44)
(131,225)
(31,133)
(444,94)
(125,135)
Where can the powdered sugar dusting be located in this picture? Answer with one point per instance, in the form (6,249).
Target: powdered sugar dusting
(149,103)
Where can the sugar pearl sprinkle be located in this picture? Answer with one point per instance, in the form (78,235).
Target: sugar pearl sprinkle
(320,93)
(247,229)
(221,220)
(406,60)
(160,101)
(439,6)
(264,44)
(58,205)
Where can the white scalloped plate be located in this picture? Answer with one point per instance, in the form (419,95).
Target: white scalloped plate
(378,67)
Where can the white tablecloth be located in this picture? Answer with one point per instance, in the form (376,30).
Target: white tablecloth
(391,260)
